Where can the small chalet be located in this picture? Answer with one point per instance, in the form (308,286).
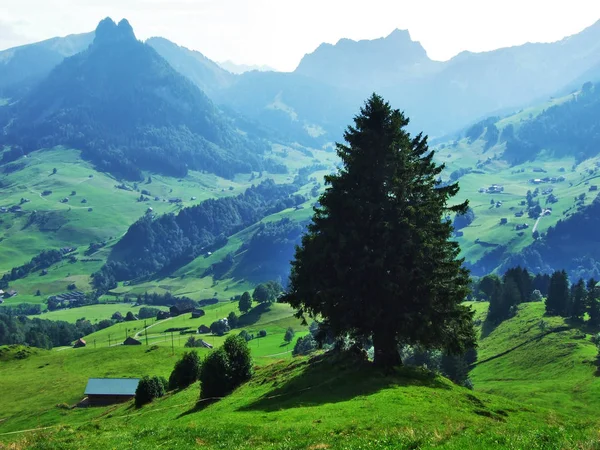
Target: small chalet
(197,313)
(131,341)
(79,343)
(177,310)
(203,329)
(108,391)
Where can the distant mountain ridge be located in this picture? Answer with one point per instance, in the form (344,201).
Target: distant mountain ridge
(368,63)
(128,109)
(312,104)
(243,68)
(28,64)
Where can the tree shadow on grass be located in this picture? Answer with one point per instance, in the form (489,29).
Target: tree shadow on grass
(334,378)
(199,406)
(253,316)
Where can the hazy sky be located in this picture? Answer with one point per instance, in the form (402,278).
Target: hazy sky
(279,32)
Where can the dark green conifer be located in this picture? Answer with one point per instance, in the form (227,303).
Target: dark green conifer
(377,259)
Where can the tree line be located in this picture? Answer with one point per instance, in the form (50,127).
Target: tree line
(18,329)
(151,245)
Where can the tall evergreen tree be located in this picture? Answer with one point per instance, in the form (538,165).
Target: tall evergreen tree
(578,300)
(593,303)
(557,303)
(377,259)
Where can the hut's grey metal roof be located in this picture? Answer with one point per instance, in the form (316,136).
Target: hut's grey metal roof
(111,386)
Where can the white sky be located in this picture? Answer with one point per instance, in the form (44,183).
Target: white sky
(279,32)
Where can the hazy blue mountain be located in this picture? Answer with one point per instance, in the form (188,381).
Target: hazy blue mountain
(441,97)
(128,109)
(20,67)
(243,68)
(206,74)
(368,64)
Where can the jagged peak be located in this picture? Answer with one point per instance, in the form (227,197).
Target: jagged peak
(108,31)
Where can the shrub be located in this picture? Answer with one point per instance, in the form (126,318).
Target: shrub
(240,361)
(226,368)
(262,333)
(148,389)
(186,371)
(304,345)
(232,320)
(289,335)
(245,335)
(214,380)
(219,327)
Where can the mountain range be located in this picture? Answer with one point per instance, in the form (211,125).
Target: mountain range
(139,108)
(442,97)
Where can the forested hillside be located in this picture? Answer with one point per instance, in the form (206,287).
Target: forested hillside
(129,110)
(170,241)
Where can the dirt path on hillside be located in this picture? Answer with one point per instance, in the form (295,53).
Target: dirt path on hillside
(136,335)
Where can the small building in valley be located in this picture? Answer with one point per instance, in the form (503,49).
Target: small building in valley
(177,310)
(197,313)
(131,341)
(79,343)
(108,391)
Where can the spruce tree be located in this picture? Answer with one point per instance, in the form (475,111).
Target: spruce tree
(377,260)
(578,300)
(593,305)
(557,303)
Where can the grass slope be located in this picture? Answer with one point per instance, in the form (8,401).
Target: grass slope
(317,404)
(552,365)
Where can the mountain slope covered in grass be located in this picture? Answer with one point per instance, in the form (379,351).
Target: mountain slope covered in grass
(320,402)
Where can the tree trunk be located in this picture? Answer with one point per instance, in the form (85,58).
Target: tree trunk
(386,350)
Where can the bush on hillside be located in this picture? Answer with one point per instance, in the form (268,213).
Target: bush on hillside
(186,371)
(262,333)
(219,327)
(304,345)
(225,368)
(240,361)
(289,335)
(148,389)
(246,336)
(214,380)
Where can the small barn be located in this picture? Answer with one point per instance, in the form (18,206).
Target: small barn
(131,341)
(79,343)
(203,329)
(177,310)
(197,313)
(203,343)
(108,391)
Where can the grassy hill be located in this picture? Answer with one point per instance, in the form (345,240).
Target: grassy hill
(44,222)
(301,404)
(544,361)
(486,242)
(535,387)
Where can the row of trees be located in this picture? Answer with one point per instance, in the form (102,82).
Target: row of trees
(17,329)
(151,245)
(41,261)
(573,300)
(223,370)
